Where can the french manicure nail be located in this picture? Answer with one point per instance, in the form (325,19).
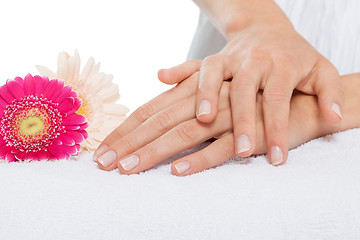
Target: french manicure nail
(336,108)
(243,144)
(276,156)
(182,167)
(107,158)
(130,162)
(205,107)
(99,151)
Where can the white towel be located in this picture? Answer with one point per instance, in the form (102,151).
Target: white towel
(315,195)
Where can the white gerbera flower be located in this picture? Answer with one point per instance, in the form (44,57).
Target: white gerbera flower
(98,94)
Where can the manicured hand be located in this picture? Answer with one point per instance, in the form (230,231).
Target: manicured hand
(268,56)
(167,125)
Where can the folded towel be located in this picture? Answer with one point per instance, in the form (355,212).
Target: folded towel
(315,195)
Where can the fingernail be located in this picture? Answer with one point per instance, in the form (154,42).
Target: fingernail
(182,167)
(205,107)
(243,144)
(336,109)
(130,162)
(276,156)
(99,151)
(107,158)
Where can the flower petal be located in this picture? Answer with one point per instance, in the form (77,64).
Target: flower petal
(87,69)
(29,85)
(16,89)
(66,139)
(55,152)
(6,95)
(40,84)
(43,155)
(62,66)
(5,150)
(84,133)
(77,136)
(50,89)
(66,105)
(58,91)
(72,127)
(70,149)
(10,157)
(45,71)
(20,80)
(64,94)
(74,119)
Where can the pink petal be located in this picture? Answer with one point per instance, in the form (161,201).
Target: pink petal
(2,142)
(20,155)
(30,156)
(69,149)
(20,80)
(64,94)
(16,89)
(78,147)
(76,106)
(29,85)
(72,127)
(5,150)
(50,89)
(10,158)
(40,84)
(84,133)
(83,126)
(66,105)
(3,103)
(56,152)
(77,136)
(73,94)
(66,139)
(74,119)
(59,87)
(5,94)
(57,141)
(42,155)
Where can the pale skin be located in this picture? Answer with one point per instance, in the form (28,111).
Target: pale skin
(168,125)
(263,52)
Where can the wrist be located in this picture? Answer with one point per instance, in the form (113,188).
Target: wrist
(265,16)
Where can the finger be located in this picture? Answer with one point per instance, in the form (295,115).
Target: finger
(330,94)
(179,73)
(276,105)
(182,137)
(213,155)
(244,87)
(147,110)
(212,75)
(148,131)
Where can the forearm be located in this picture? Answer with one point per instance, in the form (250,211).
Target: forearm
(231,16)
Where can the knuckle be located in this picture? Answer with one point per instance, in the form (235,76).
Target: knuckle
(275,96)
(276,128)
(128,145)
(285,58)
(187,132)
(243,85)
(211,60)
(160,121)
(144,112)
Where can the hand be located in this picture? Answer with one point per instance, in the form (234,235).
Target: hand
(167,125)
(268,56)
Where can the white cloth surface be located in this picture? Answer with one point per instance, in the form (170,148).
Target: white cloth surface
(315,195)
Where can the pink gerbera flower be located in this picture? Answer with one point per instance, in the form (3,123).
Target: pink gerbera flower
(38,120)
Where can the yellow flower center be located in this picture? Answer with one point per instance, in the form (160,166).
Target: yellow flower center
(31,125)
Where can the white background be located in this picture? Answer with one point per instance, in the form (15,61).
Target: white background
(131,39)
